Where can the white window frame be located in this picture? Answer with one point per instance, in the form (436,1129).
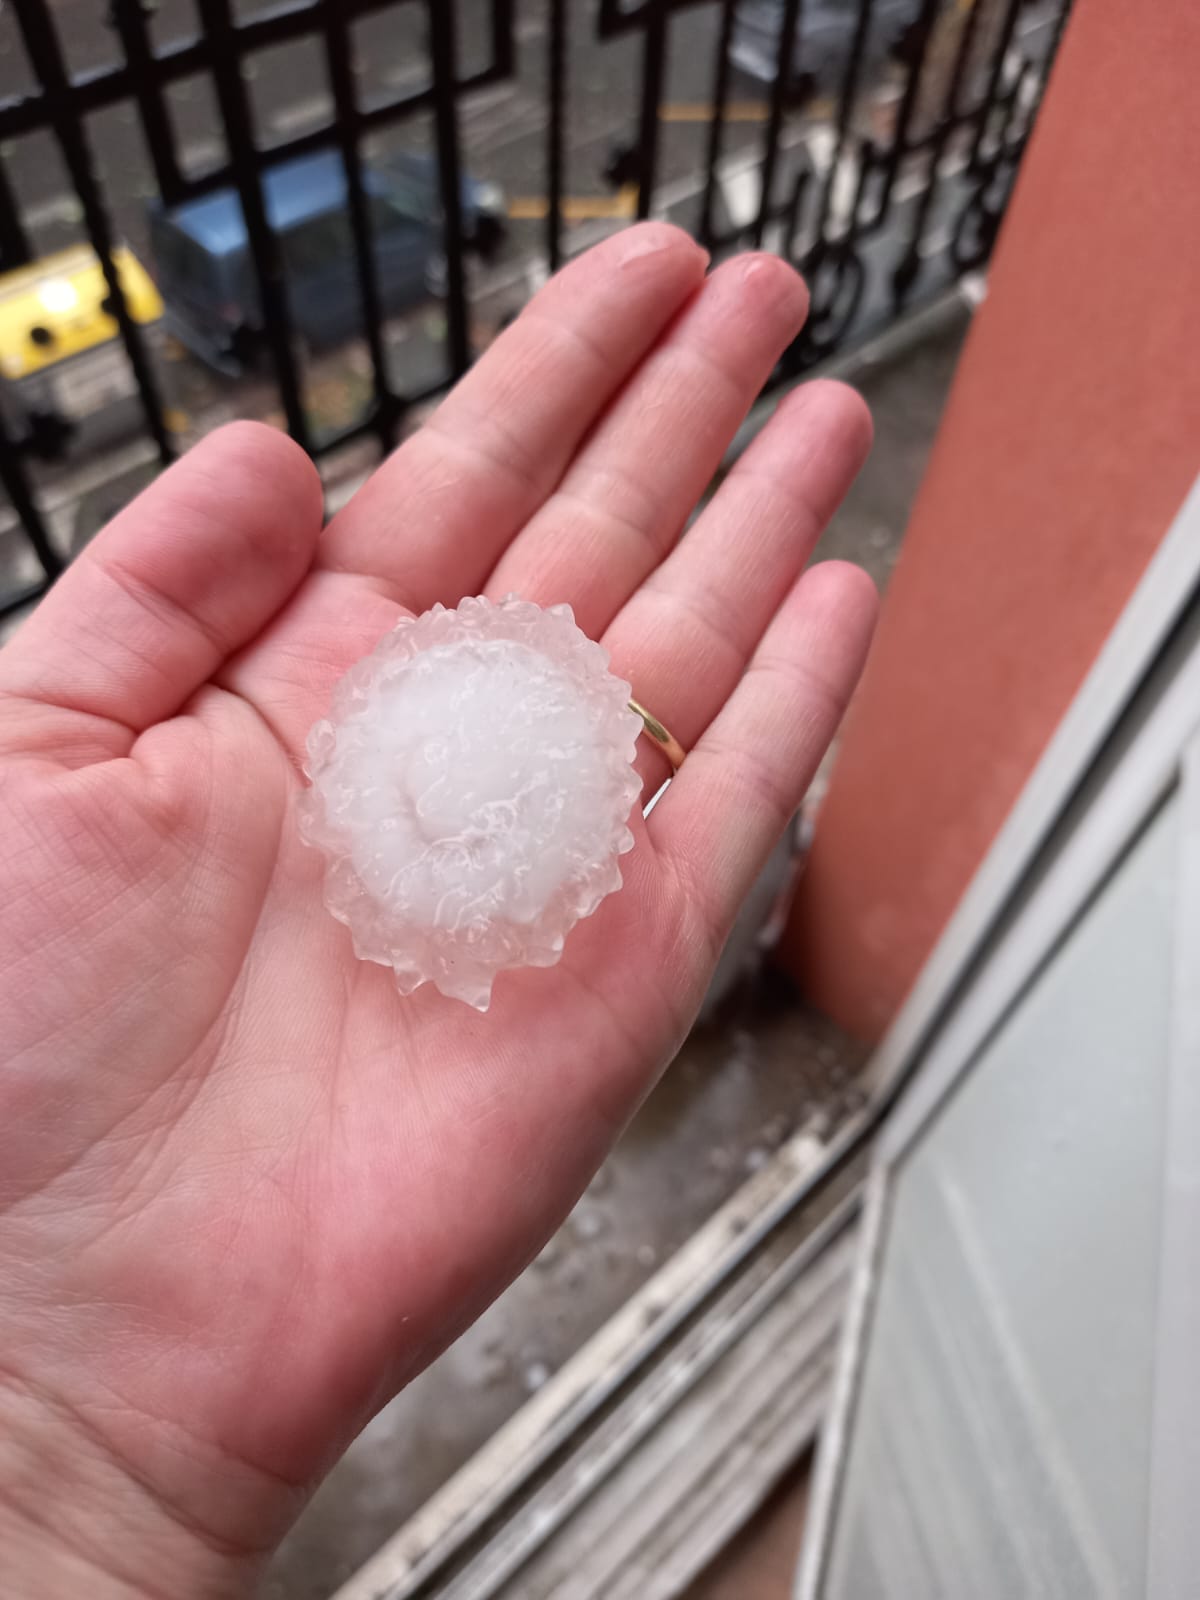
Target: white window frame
(1131,736)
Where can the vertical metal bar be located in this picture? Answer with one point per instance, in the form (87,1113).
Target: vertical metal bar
(341,77)
(14,243)
(45,56)
(503,49)
(653,64)
(779,89)
(791,217)
(216,18)
(908,105)
(845,113)
(716,126)
(443,59)
(1004,39)
(909,268)
(556,75)
(129,18)
(16,487)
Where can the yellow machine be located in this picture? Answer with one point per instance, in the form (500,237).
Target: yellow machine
(64,371)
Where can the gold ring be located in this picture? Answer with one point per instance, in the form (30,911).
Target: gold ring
(662,737)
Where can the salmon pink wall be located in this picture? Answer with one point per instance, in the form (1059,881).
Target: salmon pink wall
(1071,437)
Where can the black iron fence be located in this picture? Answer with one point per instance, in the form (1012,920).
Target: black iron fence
(872,142)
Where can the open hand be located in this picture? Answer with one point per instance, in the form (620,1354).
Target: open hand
(246,1191)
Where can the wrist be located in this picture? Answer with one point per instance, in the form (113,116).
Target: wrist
(75,1519)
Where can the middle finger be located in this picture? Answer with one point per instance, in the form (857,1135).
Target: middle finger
(624,499)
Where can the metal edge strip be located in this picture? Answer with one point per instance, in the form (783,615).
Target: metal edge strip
(831,1452)
(1174,1532)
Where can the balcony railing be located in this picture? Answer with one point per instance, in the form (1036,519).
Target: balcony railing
(872,142)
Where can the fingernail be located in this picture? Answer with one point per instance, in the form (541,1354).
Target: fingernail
(641,244)
(789,287)
(754,264)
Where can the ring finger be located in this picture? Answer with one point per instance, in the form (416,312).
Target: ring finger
(684,639)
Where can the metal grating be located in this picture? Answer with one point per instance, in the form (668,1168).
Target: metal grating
(856,196)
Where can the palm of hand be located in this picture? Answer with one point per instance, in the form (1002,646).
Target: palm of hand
(266,1187)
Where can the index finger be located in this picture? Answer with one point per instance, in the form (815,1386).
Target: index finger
(435,518)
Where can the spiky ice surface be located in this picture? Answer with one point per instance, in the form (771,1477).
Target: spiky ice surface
(471,788)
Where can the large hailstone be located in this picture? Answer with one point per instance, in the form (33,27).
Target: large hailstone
(471,788)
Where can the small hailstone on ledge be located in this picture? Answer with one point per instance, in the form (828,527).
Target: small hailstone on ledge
(471,788)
